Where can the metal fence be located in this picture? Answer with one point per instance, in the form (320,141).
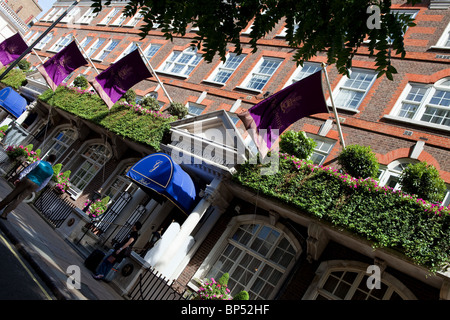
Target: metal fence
(53,207)
(152,285)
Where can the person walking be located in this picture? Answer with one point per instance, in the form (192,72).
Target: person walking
(119,252)
(32,179)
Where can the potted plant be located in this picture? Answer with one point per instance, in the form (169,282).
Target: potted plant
(60,180)
(218,290)
(97,207)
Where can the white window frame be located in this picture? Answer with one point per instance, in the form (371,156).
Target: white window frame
(325,269)
(342,86)
(57,14)
(48,16)
(431,89)
(446,201)
(119,21)
(444,40)
(104,53)
(87,17)
(321,149)
(85,42)
(95,46)
(283,32)
(256,72)
(194,109)
(302,72)
(61,43)
(151,46)
(393,171)
(71,15)
(44,41)
(175,59)
(224,240)
(134,20)
(128,50)
(89,161)
(119,177)
(34,37)
(111,14)
(60,142)
(224,66)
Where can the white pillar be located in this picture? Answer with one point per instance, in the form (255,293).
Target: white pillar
(188,226)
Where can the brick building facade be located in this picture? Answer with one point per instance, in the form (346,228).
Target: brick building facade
(404,121)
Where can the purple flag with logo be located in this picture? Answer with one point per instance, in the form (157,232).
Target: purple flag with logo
(112,83)
(57,68)
(11,49)
(267,120)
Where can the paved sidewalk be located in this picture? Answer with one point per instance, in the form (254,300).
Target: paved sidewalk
(49,254)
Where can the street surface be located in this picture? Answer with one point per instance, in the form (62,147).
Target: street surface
(18,281)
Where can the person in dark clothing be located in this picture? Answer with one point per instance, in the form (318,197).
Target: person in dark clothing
(118,253)
(32,179)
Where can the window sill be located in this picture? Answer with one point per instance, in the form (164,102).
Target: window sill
(214,82)
(172,74)
(440,48)
(249,89)
(354,111)
(418,123)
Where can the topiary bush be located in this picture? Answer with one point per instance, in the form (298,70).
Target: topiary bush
(130,96)
(297,144)
(359,161)
(150,103)
(81,82)
(424,181)
(24,65)
(177,109)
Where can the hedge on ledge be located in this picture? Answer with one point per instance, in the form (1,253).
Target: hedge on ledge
(123,119)
(392,219)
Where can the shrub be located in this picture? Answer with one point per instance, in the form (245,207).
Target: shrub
(359,161)
(24,65)
(297,144)
(150,103)
(81,82)
(424,181)
(243,295)
(130,96)
(177,109)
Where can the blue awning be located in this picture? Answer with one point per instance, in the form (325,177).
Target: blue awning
(158,173)
(12,102)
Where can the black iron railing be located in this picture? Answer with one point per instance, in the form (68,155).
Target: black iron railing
(53,207)
(152,285)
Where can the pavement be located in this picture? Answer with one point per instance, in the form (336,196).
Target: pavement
(50,255)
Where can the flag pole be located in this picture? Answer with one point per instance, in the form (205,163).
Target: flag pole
(84,53)
(334,107)
(12,65)
(154,73)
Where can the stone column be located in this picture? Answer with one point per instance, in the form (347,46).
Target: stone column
(189,225)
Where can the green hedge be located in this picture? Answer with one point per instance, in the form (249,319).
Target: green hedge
(388,218)
(122,119)
(15,78)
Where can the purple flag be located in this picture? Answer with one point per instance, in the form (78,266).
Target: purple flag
(112,83)
(56,69)
(11,49)
(276,113)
